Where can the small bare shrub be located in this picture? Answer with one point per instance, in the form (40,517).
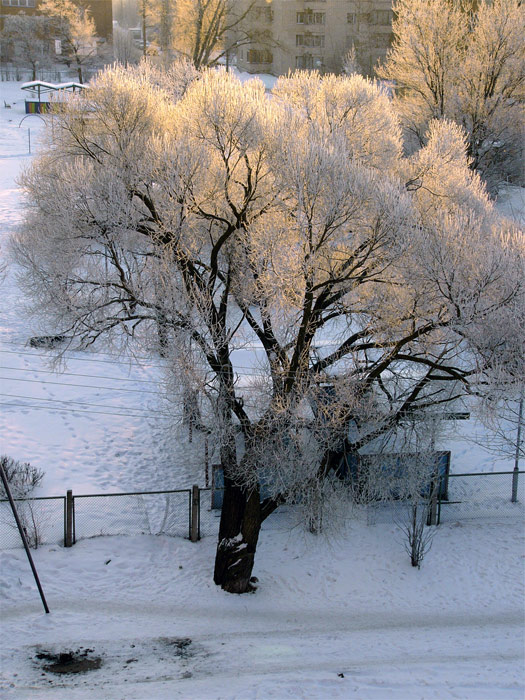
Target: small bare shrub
(23,478)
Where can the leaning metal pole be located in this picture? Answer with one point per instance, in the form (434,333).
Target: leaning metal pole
(23,536)
(517,455)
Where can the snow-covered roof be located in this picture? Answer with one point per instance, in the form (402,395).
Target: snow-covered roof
(42,86)
(38,85)
(72,85)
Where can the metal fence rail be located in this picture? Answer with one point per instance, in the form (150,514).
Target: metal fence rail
(209,517)
(488,495)
(64,520)
(43,519)
(135,513)
(189,513)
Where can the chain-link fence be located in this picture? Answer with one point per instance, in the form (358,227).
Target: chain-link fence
(43,520)
(138,513)
(481,496)
(65,520)
(209,516)
(491,495)
(59,519)
(57,74)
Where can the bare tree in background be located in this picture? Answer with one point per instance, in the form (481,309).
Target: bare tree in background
(148,18)
(124,48)
(75,28)
(210,31)
(30,38)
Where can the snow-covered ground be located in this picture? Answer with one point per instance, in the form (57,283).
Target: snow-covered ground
(355,607)
(348,618)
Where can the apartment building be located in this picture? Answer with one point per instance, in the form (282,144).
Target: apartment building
(314,34)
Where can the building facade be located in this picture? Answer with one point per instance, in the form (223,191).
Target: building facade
(315,34)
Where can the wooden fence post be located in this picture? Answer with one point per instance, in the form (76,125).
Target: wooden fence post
(68,535)
(195,513)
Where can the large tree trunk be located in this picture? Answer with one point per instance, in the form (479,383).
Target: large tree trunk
(238,535)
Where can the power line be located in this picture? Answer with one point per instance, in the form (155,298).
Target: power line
(247,346)
(76,374)
(108,388)
(103,354)
(85,386)
(236,368)
(69,358)
(239,375)
(101,376)
(81,410)
(72,359)
(71,401)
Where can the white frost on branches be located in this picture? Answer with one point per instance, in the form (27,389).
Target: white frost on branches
(464,62)
(192,214)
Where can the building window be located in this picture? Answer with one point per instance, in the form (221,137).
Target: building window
(309,17)
(18,3)
(259,56)
(309,62)
(382,17)
(309,40)
(306,61)
(351,18)
(264,14)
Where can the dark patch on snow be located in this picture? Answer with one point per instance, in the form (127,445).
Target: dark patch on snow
(47,341)
(180,645)
(69,662)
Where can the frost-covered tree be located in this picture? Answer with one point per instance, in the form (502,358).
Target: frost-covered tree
(503,418)
(350,62)
(148,16)
(195,213)
(464,62)
(29,36)
(75,28)
(501,410)
(124,48)
(209,31)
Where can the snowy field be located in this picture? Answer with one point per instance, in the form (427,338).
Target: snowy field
(348,618)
